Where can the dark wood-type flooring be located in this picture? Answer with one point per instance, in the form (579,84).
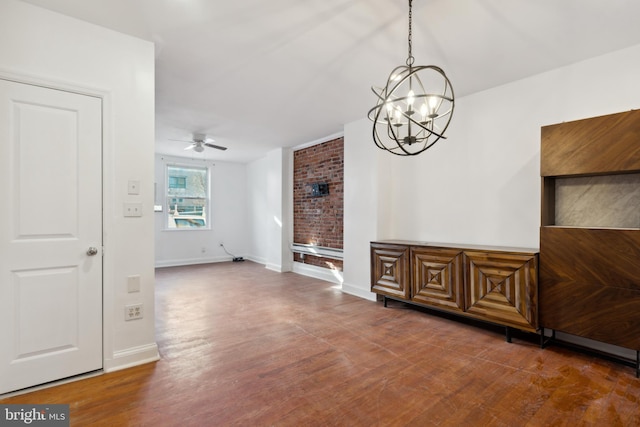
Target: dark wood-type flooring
(244,346)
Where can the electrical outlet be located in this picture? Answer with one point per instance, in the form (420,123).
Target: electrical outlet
(133,311)
(132,209)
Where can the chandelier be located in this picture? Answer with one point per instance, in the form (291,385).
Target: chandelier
(408,119)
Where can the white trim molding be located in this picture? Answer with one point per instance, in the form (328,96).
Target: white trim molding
(130,357)
(318,141)
(358,292)
(326,274)
(191,261)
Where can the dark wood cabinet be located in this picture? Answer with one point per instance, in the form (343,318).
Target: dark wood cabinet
(590,283)
(590,269)
(493,284)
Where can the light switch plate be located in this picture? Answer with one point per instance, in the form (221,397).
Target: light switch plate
(133,284)
(134,187)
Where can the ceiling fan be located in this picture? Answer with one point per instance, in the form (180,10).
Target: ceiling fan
(200,141)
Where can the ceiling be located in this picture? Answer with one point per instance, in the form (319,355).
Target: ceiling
(256,75)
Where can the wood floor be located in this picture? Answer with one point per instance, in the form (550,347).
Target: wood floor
(244,346)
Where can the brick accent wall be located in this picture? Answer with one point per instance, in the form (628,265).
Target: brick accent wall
(319,219)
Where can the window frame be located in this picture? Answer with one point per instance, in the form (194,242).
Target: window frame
(167,197)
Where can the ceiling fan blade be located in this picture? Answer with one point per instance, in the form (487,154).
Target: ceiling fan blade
(190,147)
(218,147)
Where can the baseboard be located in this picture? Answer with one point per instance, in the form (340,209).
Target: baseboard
(358,292)
(274,267)
(181,262)
(132,357)
(257,260)
(326,274)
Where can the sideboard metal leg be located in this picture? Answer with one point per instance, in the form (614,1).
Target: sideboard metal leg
(507,334)
(637,363)
(384,300)
(544,341)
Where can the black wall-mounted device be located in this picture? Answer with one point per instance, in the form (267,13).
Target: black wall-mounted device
(319,189)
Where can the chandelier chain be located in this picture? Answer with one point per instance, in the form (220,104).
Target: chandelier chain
(410,58)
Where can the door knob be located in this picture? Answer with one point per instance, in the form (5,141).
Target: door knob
(92,251)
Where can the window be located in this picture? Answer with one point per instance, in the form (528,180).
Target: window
(177,182)
(187,196)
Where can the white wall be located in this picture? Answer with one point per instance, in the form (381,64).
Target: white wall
(270,201)
(43,47)
(228,217)
(279,183)
(482,184)
(363,176)
(257,202)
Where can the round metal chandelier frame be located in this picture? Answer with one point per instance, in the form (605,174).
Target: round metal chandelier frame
(408,119)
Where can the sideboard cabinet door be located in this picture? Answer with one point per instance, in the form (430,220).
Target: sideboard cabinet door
(502,287)
(437,277)
(390,270)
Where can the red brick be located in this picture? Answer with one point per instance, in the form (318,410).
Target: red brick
(319,220)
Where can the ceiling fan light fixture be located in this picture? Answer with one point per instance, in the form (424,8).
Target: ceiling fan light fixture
(397,126)
(199,142)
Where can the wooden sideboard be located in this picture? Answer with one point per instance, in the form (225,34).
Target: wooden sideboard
(493,284)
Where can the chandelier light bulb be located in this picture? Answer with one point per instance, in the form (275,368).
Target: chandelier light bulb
(390,110)
(411,97)
(433,107)
(424,110)
(398,117)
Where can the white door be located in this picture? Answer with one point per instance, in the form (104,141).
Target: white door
(50,217)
